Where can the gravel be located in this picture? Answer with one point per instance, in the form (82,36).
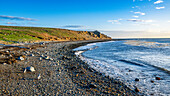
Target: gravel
(63,74)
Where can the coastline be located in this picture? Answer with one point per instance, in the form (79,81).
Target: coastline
(63,74)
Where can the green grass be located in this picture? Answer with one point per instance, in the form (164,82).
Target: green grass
(16,36)
(22,34)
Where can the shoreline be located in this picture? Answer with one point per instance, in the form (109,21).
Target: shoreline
(64,74)
(149,83)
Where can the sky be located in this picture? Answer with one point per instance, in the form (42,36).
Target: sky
(116,18)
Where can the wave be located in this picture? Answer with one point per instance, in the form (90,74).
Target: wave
(131,62)
(144,60)
(144,65)
(147,44)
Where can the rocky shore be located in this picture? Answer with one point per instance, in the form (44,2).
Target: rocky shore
(57,71)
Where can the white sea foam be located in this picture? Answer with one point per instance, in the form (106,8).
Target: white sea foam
(125,63)
(147,44)
(87,47)
(78,52)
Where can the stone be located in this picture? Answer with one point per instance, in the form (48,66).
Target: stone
(26,52)
(136,79)
(40,58)
(157,78)
(47,57)
(39,76)
(30,69)
(77,75)
(7,51)
(152,81)
(42,55)
(92,86)
(25,70)
(74,67)
(20,58)
(137,90)
(31,54)
(10,55)
(42,43)
(51,59)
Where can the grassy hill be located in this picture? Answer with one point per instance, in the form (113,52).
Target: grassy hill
(15,34)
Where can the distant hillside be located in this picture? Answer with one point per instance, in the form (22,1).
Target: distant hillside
(15,34)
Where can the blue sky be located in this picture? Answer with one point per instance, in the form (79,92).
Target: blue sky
(116,18)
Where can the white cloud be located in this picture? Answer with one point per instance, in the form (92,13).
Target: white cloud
(138,20)
(160,7)
(138,0)
(115,21)
(140,13)
(11,23)
(136,7)
(146,24)
(169,21)
(158,2)
(73,26)
(135,16)
(16,18)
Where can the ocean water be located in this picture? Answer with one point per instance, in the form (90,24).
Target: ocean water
(126,60)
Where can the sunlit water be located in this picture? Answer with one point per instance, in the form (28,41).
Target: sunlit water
(130,59)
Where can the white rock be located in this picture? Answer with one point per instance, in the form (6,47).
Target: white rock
(46,57)
(40,58)
(51,59)
(42,55)
(39,76)
(20,58)
(10,55)
(42,43)
(26,52)
(25,70)
(7,51)
(32,55)
(30,69)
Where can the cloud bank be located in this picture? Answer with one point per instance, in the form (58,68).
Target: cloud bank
(115,21)
(16,18)
(11,23)
(73,26)
(138,20)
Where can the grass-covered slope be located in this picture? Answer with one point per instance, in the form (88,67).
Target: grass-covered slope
(14,34)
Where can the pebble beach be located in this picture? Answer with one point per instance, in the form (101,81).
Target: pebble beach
(57,72)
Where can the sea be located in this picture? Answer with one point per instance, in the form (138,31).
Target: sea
(130,59)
